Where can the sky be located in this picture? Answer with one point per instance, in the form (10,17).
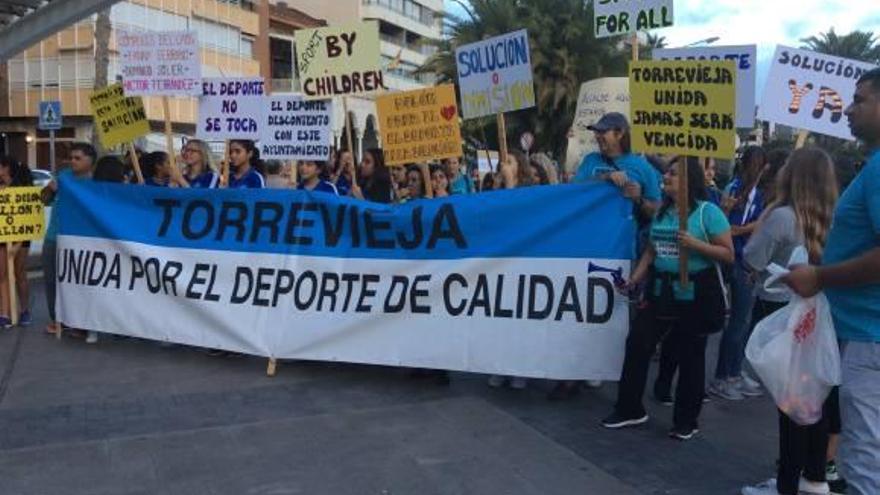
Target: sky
(762,22)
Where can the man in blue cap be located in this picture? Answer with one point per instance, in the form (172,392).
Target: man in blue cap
(615,163)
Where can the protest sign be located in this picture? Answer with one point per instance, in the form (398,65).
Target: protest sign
(495,75)
(419,125)
(160,62)
(481,283)
(22,212)
(339,60)
(810,91)
(295,129)
(615,17)
(683,107)
(118,118)
(230,108)
(746,59)
(595,99)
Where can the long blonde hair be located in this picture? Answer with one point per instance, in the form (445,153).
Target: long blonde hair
(807,183)
(204,150)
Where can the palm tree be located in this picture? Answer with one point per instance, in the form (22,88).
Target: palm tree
(857,45)
(565,54)
(656,41)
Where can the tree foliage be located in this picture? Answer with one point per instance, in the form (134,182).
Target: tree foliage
(857,45)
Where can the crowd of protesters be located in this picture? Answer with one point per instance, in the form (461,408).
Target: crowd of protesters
(776,200)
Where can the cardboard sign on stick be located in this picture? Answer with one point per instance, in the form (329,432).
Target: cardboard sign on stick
(22,212)
(495,75)
(616,17)
(419,125)
(294,129)
(809,90)
(339,60)
(165,63)
(118,118)
(230,108)
(683,107)
(595,99)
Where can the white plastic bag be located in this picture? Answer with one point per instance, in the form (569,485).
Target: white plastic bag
(795,353)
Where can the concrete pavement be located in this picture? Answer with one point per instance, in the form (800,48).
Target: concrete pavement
(130,417)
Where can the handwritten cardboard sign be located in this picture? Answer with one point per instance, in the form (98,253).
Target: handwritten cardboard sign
(21,211)
(809,90)
(339,60)
(495,75)
(118,118)
(746,59)
(596,98)
(160,62)
(419,125)
(685,107)
(296,129)
(230,108)
(615,17)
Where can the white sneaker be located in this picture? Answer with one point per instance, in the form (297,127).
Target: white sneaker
(749,387)
(594,383)
(518,383)
(807,487)
(497,381)
(766,488)
(92,337)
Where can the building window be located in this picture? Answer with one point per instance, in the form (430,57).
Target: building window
(407,8)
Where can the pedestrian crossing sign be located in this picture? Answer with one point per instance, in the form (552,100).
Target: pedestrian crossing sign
(50,116)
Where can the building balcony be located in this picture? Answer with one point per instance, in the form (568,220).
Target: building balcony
(392,16)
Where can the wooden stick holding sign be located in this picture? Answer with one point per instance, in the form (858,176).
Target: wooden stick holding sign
(169,142)
(11,251)
(801,139)
(634,46)
(502,140)
(136,164)
(683,214)
(349,141)
(224,169)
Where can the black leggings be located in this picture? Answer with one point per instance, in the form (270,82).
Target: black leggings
(689,348)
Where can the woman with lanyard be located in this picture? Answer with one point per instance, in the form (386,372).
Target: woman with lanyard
(743,201)
(200,170)
(687,313)
(800,216)
(245,165)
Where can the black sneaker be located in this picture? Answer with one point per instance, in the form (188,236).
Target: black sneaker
(683,434)
(665,400)
(617,421)
(837,484)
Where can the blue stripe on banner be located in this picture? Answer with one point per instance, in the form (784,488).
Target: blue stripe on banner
(569,221)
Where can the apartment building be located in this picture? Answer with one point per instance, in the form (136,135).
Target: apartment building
(407,30)
(63,67)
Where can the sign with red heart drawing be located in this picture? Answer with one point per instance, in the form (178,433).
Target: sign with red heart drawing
(420,125)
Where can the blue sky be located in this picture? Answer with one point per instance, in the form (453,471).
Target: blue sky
(763,22)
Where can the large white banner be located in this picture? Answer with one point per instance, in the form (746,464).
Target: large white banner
(746,59)
(483,284)
(810,91)
(495,75)
(595,99)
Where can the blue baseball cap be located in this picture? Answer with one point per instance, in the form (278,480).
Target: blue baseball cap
(609,121)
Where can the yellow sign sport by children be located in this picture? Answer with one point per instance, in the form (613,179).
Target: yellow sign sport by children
(419,125)
(683,107)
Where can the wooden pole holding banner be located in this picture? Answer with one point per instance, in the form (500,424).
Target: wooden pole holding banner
(11,251)
(634,46)
(136,164)
(294,173)
(349,140)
